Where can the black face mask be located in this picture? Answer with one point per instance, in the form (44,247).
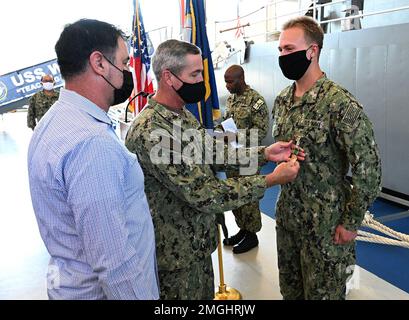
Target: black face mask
(191,92)
(124,92)
(294,65)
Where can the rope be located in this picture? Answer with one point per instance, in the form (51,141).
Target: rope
(370,237)
(370,222)
(401,239)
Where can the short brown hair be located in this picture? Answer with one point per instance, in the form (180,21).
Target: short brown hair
(312,30)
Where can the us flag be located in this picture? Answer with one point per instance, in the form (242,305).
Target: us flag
(140,61)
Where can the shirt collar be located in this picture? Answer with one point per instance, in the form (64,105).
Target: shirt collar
(82,103)
(309,97)
(54,93)
(245,92)
(165,112)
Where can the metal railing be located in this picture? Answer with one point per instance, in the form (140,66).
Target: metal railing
(313,6)
(361,15)
(162,33)
(273,30)
(316,14)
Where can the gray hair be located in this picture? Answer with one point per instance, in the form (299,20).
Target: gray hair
(170,55)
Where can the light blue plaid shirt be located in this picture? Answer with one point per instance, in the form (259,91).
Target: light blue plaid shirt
(88,195)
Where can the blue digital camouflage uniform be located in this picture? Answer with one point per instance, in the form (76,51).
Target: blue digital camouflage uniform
(39,104)
(335,132)
(184,199)
(249,111)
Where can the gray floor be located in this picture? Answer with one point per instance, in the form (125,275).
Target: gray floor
(23,263)
(24,259)
(255,273)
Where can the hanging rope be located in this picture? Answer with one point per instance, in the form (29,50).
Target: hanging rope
(401,239)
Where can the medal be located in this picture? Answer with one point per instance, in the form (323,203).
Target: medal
(296,150)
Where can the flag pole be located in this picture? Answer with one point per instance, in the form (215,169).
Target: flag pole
(224,292)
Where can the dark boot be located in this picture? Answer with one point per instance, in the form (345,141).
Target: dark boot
(249,242)
(233,240)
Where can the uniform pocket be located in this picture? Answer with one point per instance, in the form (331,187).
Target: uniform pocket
(242,119)
(315,131)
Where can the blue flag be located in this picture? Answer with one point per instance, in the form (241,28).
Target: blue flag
(208,109)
